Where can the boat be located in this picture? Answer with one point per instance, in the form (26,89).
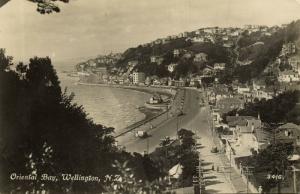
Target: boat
(156,102)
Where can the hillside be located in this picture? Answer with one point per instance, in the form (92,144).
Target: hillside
(247,52)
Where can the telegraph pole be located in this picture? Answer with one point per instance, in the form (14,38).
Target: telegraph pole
(295,178)
(248,172)
(230,165)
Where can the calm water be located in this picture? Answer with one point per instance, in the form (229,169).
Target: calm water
(112,107)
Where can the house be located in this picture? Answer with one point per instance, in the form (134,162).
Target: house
(171,67)
(188,55)
(288,133)
(138,78)
(148,81)
(132,63)
(249,133)
(228,44)
(200,57)
(295,64)
(156,59)
(179,83)
(219,66)
(262,94)
(235,33)
(194,82)
(288,49)
(227,104)
(241,89)
(92,63)
(209,30)
(208,70)
(198,39)
(225,38)
(258,85)
(217,117)
(288,76)
(176,52)
(244,124)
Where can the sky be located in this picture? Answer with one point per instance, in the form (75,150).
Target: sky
(86,28)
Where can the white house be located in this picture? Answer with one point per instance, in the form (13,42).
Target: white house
(132,63)
(219,66)
(138,77)
(200,57)
(198,39)
(156,59)
(288,76)
(243,89)
(176,52)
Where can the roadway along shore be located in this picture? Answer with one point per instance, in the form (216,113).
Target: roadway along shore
(195,118)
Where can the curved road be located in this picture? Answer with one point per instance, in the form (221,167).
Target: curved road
(187,101)
(195,118)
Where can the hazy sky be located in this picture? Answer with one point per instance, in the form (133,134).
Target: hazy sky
(92,27)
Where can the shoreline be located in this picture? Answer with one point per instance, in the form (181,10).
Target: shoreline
(169,92)
(149,113)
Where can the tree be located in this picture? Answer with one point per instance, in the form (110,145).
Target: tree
(43,131)
(43,6)
(272,160)
(282,108)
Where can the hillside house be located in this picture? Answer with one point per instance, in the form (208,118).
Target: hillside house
(262,94)
(156,59)
(200,57)
(132,63)
(228,104)
(242,89)
(188,55)
(288,49)
(235,33)
(243,124)
(208,70)
(219,66)
(258,85)
(249,133)
(228,44)
(198,39)
(295,64)
(288,133)
(288,76)
(176,52)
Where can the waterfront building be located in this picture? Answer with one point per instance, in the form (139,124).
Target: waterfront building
(138,77)
(179,83)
